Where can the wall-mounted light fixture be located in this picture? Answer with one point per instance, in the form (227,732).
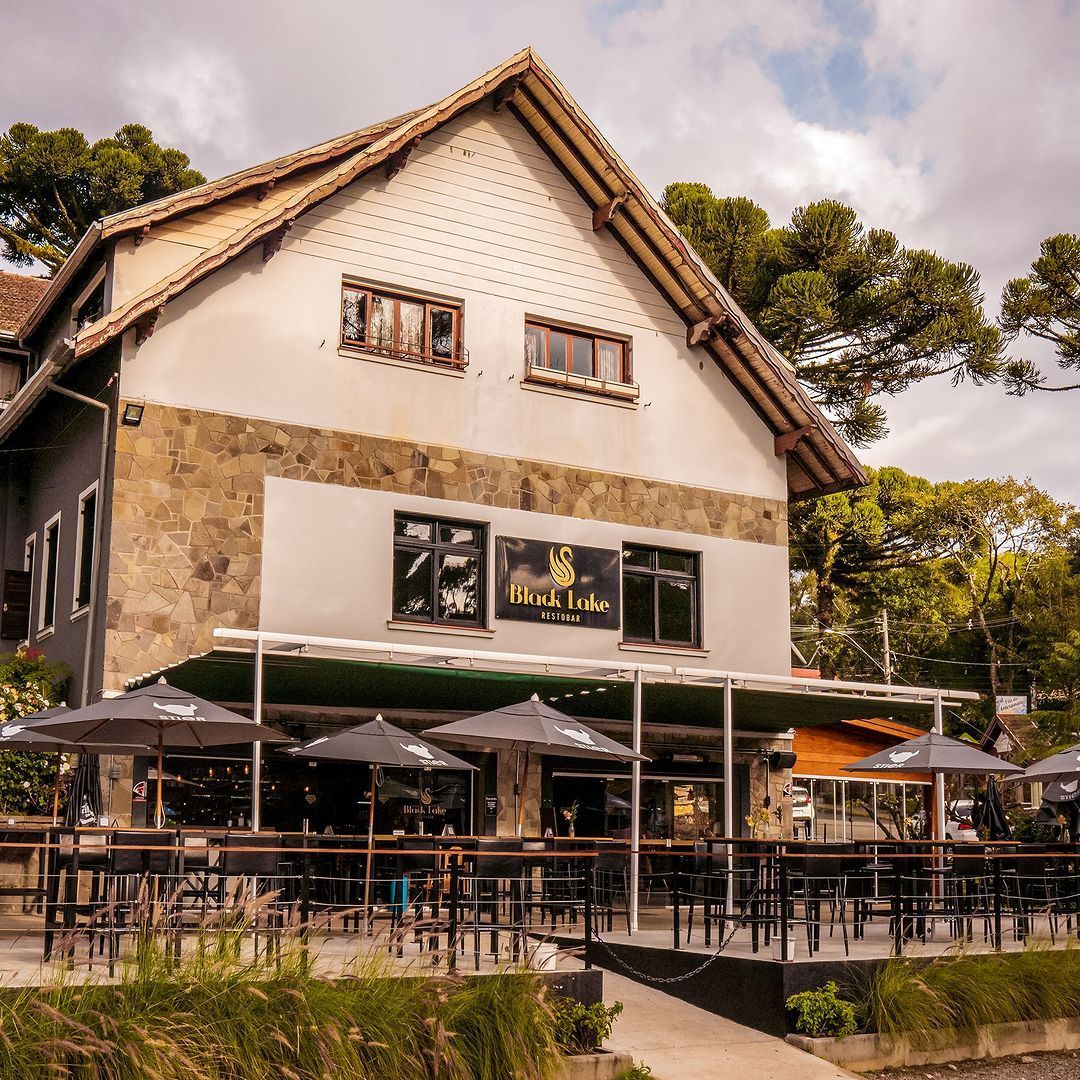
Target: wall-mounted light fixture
(132,415)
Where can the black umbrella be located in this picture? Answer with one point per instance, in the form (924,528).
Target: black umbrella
(531,726)
(990,813)
(22,734)
(1062,791)
(933,753)
(158,714)
(379,743)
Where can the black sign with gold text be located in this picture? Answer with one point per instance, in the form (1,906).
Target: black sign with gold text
(542,581)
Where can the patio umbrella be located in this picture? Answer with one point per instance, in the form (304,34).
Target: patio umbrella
(990,813)
(1063,766)
(933,753)
(378,743)
(1062,791)
(531,726)
(158,714)
(22,734)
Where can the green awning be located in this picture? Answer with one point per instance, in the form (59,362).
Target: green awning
(301,679)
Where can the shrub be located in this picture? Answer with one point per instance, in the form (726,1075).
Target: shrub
(579,1028)
(638,1071)
(822,1013)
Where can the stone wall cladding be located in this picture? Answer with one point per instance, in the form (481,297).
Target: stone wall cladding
(186,547)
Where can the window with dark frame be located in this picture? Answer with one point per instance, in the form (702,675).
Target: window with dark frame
(438,571)
(397,324)
(49,570)
(661,600)
(577,352)
(92,308)
(84,570)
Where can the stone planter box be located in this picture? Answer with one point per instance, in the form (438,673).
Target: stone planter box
(599,1066)
(868,1053)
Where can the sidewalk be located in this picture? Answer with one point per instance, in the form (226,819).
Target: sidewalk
(682,1042)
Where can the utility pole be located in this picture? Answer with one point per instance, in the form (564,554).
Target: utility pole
(887,658)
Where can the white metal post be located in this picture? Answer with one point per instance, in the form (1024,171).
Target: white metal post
(256,748)
(939,779)
(635,804)
(729,789)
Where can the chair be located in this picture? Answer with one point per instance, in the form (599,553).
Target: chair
(254,862)
(612,882)
(497,887)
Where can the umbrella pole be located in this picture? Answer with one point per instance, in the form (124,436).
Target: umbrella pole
(56,792)
(159,812)
(371,848)
(521,792)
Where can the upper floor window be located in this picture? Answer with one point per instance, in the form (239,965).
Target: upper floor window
(92,307)
(84,548)
(49,571)
(438,570)
(410,327)
(661,596)
(593,356)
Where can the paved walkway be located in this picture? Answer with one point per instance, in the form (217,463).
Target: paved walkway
(682,1042)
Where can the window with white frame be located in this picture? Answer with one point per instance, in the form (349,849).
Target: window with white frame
(50,566)
(90,306)
(84,548)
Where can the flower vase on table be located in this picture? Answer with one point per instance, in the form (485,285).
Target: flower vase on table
(570,814)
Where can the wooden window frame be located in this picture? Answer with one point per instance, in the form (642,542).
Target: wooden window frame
(542,372)
(78,605)
(43,590)
(656,575)
(96,282)
(436,548)
(458,357)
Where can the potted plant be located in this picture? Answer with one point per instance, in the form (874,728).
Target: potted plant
(570,814)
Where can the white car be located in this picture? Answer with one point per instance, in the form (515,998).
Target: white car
(802,810)
(958,824)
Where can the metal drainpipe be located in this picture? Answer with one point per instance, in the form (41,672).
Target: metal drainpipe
(635,805)
(729,788)
(99,517)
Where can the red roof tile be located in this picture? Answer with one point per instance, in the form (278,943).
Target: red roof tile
(18,295)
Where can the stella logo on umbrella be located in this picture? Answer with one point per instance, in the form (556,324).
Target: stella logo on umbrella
(582,738)
(422,752)
(561,566)
(179,712)
(9,731)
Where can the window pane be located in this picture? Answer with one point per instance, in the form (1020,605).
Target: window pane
(557,345)
(412,583)
(86,553)
(52,544)
(637,607)
(633,556)
(442,333)
(676,611)
(353,315)
(609,361)
(670,560)
(583,356)
(414,530)
(412,326)
(458,534)
(382,322)
(459,587)
(534,346)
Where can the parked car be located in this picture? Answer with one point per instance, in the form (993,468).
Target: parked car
(958,824)
(802,810)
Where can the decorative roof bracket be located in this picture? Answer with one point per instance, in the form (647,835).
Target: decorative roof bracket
(141,235)
(706,329)
(506,92)
(272,241)
(264,189)
(790,439)
(145,327)
(603,214)
(396,161)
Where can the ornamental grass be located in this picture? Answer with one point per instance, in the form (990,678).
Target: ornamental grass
(222,1012)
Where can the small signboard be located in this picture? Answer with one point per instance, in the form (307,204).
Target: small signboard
(787,791)
(1011,705)
(548,581)
(491,805)
(138,792)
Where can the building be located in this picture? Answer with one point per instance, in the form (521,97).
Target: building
(452,386)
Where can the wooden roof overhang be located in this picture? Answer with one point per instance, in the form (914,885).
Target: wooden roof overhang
(818,459)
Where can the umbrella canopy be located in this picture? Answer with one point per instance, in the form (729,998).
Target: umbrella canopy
(162,715)
(1063,766)
(380,743)
(533,726)
(933,753)
(990,813)
(1062,791)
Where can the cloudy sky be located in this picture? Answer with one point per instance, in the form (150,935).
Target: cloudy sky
(952,122)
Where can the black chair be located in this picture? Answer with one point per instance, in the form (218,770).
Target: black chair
(261,875)
(497,890)
(611,876)
(72,854)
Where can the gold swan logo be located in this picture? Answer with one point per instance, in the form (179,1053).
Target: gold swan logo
(560,566)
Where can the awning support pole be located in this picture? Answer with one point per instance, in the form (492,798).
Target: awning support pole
(729,790)
(939,779)
(635,805)
(256,747)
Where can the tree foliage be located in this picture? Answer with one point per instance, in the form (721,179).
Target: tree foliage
(856,313)
(28,683)
(55,184)
(1045,305)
